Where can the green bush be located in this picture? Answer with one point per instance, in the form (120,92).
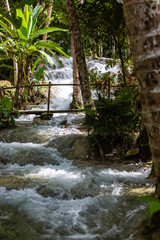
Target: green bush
(6,113)
(100,81)
(154,204)
(113,121)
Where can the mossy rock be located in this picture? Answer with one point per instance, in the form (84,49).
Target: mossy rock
(132,152)
(149,229)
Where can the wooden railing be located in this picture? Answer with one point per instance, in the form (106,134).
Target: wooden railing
(49,85)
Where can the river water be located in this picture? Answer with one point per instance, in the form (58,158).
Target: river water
(46,196)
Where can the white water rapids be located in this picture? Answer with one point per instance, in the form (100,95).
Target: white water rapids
(46,196)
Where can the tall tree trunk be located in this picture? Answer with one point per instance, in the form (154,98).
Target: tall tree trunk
(80,57)
(143,23)
(94,49)
(113,49)
(49,12)
(128,53)
(100,49)
(122,64)
(15,65)
(77,97)
(72,46)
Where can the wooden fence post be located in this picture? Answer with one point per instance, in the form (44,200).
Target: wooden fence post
(49,93)
(109,89)
(15,100)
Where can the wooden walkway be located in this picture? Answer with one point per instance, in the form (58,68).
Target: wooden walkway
(49,85)
(39,112)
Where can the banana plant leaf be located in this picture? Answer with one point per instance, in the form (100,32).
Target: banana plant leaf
(50,45)
(50,29)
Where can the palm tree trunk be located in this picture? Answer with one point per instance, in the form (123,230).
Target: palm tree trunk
(77,98)
(142,20)
(7,8)
(49,12)
(80,57)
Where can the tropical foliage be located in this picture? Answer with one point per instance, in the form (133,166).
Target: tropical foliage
(114,121)
(7,113)
(25,44)
(109,83)
(154,204)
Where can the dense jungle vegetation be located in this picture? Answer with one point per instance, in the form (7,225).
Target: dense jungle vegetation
(34,32)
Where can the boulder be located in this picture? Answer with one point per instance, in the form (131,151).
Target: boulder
(5,83)
(74,146)
(80,149)
(46,116)
(149,229)
(132,152)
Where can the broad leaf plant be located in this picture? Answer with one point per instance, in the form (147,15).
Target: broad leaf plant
(23,42)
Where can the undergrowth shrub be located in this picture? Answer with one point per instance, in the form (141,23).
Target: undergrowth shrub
(7,113)
(113,121)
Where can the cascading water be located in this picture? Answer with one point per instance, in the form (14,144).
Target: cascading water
(45,196)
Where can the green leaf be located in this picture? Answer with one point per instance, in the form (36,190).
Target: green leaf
(32,49)
(35,64)
(50,45)
(39,73)
(8,103)
(46,75)
(1,34)
(154,207)
(56,58)
(17,112)
(1,44)
(35,13)
(146,199)
(49,59)
(7,66)
(154,204)
(22,31)
(27,13)
(16,22)
(5,113)
(28,18)
(50,29)
(8,29)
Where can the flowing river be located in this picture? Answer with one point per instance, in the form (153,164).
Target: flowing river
(46,196)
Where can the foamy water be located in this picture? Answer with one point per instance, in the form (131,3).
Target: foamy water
(45,196)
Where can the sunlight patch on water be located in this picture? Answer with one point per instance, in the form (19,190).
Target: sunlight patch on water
(123,173)
(117,191)
(84,237)
(135,177)
(17,170)
(25,119)
(55,173)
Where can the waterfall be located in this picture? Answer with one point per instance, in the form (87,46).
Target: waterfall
(44,195)
(62,95)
